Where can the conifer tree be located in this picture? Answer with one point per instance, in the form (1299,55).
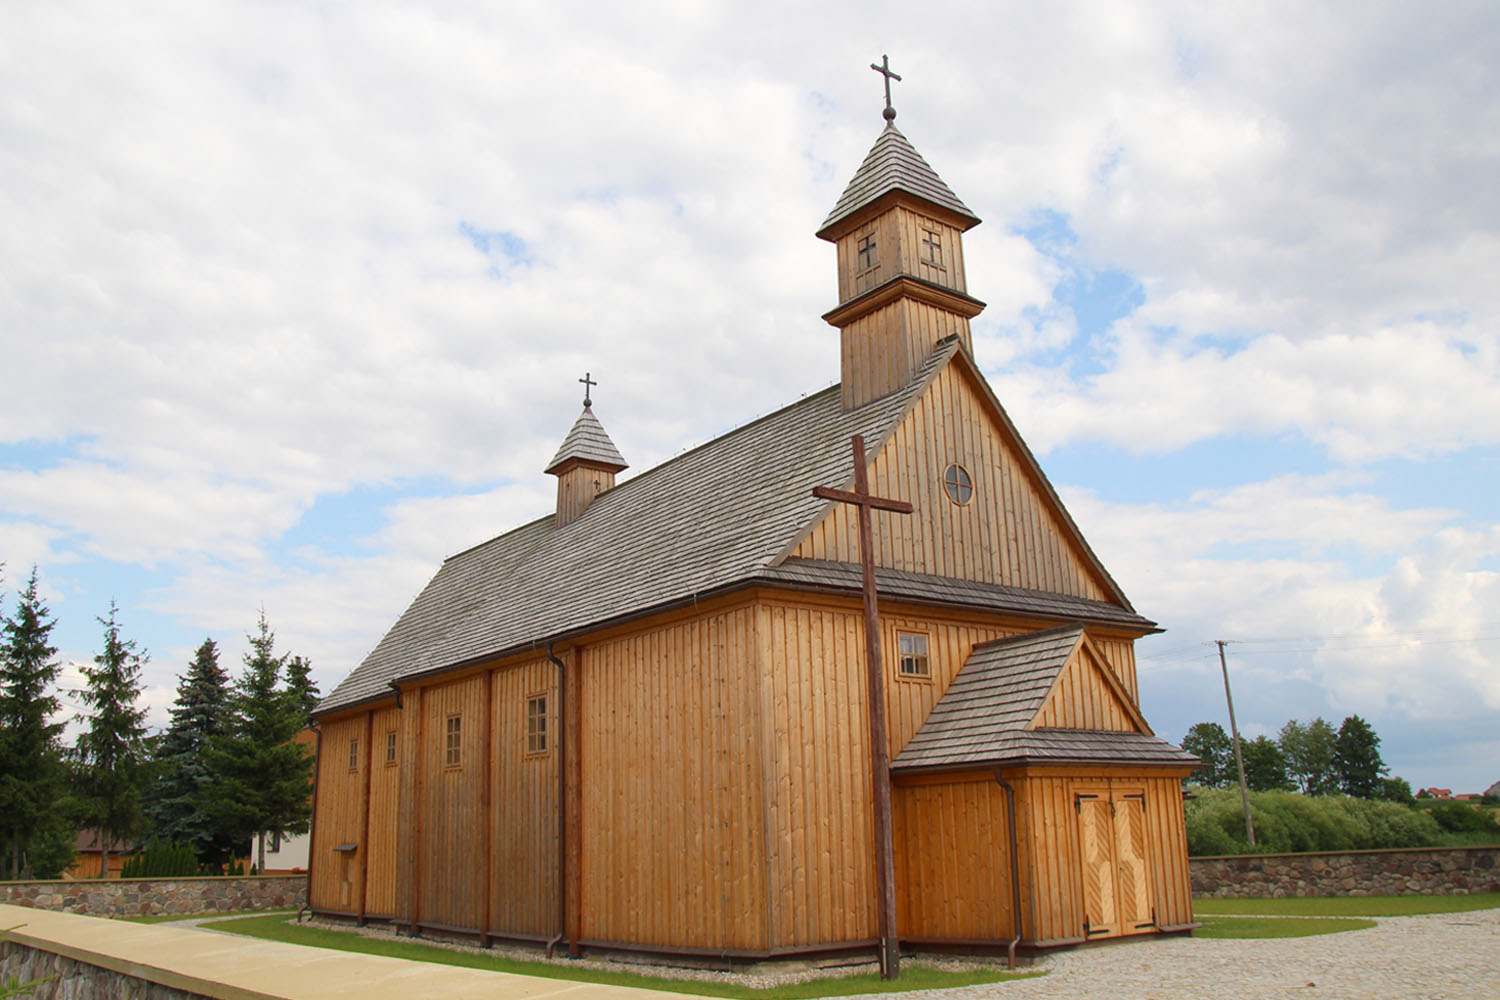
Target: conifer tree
(262,778)
(177,805)
(111,749)
(301,689)
(1356,759)
(31,766)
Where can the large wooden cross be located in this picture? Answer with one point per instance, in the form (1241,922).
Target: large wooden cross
(885,864)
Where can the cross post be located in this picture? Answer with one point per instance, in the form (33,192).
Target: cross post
(884,69)
(885,863)
(588,383)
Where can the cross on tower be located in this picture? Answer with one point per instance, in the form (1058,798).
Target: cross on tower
(884,69)
(588,384)
(885,865)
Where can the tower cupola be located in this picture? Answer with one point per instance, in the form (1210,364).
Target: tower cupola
(586,464)
(898,229)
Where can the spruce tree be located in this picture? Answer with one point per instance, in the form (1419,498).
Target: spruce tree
(111,749)
(177,805)
(262,778)
(1356,759)
(31,766)
(301,689)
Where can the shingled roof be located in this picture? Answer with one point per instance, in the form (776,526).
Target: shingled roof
(893,164)
(587,442)
(709,518)
(715,518)
(981,719)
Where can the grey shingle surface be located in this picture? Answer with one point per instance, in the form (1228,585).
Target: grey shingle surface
(588,441)
(893,164)
(982,717)
(894,583)
(710,518)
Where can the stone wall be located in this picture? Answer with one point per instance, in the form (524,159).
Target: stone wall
(1427,871)
(65,978)
(133,897)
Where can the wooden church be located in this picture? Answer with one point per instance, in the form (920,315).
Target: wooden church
(643,721)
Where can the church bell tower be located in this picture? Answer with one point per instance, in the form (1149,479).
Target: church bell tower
(898,229)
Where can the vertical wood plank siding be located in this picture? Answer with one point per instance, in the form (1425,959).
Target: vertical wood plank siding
(339,799)
(672,844)
(1051,862)
(1081,700)
(953,859)
(449,804)
(523,812)
(385,791)
(1005,535)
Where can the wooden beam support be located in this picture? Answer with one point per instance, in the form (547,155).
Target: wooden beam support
(880,778)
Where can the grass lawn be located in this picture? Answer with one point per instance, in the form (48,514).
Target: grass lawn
(167,918)
(1349,906)
(1277,927)
(913,976)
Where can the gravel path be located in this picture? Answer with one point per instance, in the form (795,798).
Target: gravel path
(1441,955)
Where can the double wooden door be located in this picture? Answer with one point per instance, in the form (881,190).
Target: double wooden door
(1116,877)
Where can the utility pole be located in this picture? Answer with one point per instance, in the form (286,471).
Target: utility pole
(1239,758)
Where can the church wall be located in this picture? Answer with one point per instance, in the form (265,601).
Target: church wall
(1052,865)
(671,824)
(523,808)
(952,846)
(820,878)
(449,842)
(335,875)
(1006,534)
(385,787)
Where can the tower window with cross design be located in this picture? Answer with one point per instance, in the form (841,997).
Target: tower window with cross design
(867,251)
(932,247)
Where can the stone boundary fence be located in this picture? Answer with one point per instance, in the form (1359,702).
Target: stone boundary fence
(1417,871)
(134,897)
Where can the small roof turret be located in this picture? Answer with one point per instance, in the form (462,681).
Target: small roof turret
(587,443)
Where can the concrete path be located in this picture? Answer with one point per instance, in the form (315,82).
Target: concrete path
(240,968)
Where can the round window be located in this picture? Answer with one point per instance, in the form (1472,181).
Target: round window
(959,485)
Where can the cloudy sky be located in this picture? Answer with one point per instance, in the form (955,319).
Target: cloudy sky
(293,298)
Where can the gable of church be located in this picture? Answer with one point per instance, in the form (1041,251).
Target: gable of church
(1009,529)
(1088,695)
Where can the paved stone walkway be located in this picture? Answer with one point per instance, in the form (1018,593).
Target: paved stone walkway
(1452,956)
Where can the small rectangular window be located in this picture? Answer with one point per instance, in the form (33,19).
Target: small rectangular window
(390,746)
(912,650)
(536,724)
(453,745)
(354,755)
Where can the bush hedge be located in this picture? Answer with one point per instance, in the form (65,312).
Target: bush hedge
(161,860)
(1286,822)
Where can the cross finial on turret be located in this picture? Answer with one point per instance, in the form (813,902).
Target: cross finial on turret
(588,383)
(884,69)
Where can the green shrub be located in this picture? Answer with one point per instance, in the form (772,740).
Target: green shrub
(161,860)
(1286,822)
(1460,817)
